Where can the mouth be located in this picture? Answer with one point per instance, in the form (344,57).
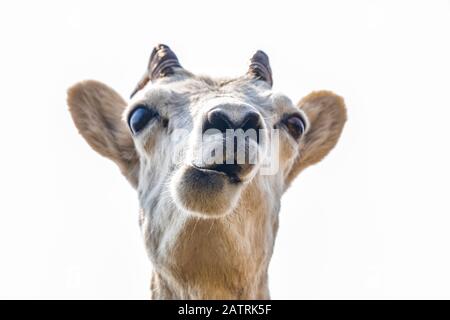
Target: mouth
(230,171)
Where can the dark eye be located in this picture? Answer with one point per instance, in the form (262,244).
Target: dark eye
(139,118)
(295,124)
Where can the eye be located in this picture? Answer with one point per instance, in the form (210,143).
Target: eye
(140,117)
(295,125)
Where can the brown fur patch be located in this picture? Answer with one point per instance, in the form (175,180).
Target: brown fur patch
(327,115)
(224,258)
(97,112)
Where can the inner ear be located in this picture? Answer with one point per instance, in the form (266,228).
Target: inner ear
(96,110)
(327,115)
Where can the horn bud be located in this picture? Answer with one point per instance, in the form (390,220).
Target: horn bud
(161,64)
(260,67)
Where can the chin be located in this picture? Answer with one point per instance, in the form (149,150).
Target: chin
(205,193)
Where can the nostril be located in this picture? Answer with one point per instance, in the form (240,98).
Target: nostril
(251,121)
(218,120)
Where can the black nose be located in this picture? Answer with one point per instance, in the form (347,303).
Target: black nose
(220,120)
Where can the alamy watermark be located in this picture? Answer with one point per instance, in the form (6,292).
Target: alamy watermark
(249,147)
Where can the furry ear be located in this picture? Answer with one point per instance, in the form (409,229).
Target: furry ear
(327,115)
(97,111)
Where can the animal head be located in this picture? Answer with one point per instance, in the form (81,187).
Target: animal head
(198,142)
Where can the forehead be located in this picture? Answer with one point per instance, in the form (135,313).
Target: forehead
(193,92)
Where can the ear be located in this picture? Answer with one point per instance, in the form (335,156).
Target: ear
(97,112)
(327,114)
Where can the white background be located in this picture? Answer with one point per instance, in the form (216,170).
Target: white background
(370,221)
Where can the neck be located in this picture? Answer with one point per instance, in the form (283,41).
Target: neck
(223,258)
(166,287)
